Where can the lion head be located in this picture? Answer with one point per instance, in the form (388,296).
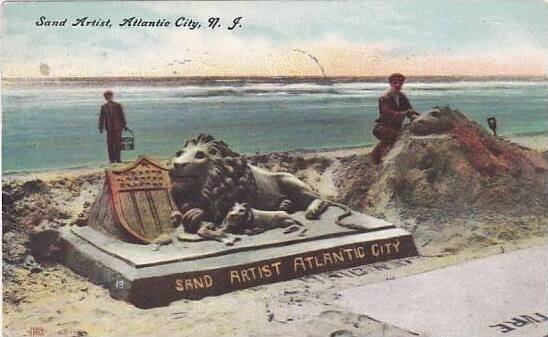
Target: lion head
(206,168)
(437,120)
(237,217)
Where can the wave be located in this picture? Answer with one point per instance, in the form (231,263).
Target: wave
(254,91)
(353,89)
(529,134)
(240,89)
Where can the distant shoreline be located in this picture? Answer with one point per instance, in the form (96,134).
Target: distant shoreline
(261,79)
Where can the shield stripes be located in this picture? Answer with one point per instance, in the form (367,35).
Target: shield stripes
(141,196)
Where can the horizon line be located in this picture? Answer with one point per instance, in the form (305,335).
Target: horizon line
(144,77)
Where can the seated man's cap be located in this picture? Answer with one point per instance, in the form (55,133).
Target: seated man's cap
(108,93)
(396,76)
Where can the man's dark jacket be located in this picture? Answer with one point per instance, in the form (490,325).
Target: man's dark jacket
(112,117)
(391,114)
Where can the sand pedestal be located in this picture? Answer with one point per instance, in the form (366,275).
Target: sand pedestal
(149,275)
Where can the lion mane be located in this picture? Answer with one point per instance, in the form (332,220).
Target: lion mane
(229,179)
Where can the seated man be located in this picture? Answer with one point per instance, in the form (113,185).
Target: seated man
(393,108)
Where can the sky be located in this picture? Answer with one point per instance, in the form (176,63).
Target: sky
(348,38)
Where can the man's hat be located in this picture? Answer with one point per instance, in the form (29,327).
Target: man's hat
(108,93)
(396,76)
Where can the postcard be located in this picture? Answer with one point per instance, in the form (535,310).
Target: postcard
(274,168)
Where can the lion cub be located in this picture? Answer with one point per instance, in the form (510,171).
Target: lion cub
(243,219)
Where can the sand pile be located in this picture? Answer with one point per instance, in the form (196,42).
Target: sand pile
(25,206)
(448,180)
(33,208)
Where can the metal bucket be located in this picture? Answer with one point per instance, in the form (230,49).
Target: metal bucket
(128,142)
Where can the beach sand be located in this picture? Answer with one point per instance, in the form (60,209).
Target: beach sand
(64,304)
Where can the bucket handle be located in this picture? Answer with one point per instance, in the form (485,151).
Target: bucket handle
(129,130)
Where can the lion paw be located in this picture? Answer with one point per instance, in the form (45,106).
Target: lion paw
(316,208)
(176,218)
(287,205)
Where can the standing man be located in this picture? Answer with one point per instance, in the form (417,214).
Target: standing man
(393,108)
(113,120)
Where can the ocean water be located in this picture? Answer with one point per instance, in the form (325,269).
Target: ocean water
(54,124)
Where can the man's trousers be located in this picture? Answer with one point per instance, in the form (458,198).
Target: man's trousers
(114,144)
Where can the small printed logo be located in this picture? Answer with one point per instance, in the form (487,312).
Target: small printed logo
(36,331)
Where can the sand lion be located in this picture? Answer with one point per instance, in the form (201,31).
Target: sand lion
(208,178)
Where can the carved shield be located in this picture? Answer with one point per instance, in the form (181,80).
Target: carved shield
(141,194)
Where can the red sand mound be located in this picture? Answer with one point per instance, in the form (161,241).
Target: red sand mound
(446,169)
